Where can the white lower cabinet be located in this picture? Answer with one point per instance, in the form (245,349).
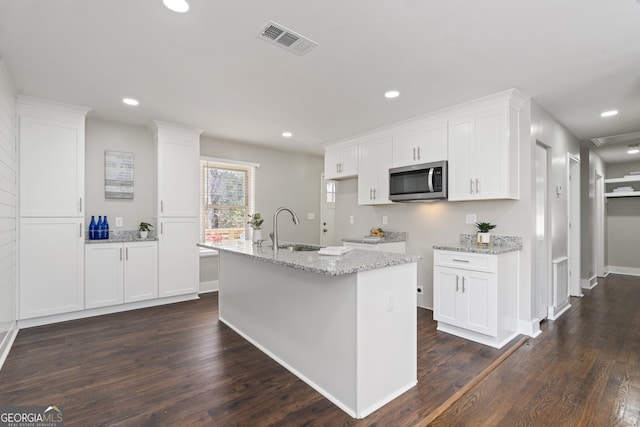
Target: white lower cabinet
(51,266)
(178,256)
(475,295)
(118,273)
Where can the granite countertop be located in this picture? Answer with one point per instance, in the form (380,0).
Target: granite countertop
(389,237)
(467,243)
(352,262)
(123,236)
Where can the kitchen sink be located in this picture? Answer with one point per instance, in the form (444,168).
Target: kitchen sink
(294,247)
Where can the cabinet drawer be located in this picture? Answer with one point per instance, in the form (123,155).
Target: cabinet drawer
(465,260)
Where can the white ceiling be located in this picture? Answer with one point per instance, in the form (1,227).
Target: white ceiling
(207,69)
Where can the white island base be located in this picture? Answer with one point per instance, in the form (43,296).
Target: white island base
(352,337)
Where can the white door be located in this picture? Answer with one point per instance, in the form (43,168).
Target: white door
(447,294)
(140,271)
(480,302)
(543,241)
(51,266)
(103,274)
(178,256)
(328,212)
(573,196)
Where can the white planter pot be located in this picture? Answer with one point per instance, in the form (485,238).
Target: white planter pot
(257,235)
(484,238)
(144,234)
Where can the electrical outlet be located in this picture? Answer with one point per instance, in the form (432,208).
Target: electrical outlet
(352,220)
(118,221)
(385,220)
(472,218)
(390,301)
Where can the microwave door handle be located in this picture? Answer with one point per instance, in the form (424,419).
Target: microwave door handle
(430,180)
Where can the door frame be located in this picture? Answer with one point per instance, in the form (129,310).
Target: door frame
(598,223)
(544,279)
(573,224)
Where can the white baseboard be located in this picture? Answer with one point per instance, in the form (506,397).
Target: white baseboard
(211,286)
(55,318)
(589,283)
(531,328)
(629,271)
(7,343)
(554,315)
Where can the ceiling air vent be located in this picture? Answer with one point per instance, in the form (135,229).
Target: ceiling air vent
(280,35)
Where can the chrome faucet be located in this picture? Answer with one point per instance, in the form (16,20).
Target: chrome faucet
(274,234)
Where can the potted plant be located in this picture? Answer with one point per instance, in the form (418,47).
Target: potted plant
(255,222)
(484,232)
(144,229)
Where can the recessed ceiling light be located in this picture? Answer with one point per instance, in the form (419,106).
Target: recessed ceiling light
(179,6)
(130,101)
(633,149)
(287,134)
(609,113)
(391,94)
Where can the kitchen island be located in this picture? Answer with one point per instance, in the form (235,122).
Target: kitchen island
(346,325)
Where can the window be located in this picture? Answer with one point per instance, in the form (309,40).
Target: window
(226,191)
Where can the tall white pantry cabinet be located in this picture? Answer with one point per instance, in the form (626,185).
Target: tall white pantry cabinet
(177,155)
(51,207)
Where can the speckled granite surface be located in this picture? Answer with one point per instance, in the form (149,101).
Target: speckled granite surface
(123,236)
(501,245)
(351,262)
(389,237)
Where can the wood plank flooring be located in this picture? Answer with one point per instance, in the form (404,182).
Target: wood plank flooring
(177,365)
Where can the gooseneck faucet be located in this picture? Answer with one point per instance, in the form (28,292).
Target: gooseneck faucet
(274,234)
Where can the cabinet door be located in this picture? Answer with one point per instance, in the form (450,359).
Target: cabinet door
(462,177)
(51,266)
(51,168)
(103,274)
(480,302)
(140,271)
(341,163)
(178,173)
(425,144)
(491,154)
(368,174)
(447,295)
(349,162)
(332,164)
(178,256)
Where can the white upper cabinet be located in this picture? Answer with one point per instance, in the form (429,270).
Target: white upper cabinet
(51,158)
(373,176)
(424,144)
(484,151)
(341,162)
(177,152)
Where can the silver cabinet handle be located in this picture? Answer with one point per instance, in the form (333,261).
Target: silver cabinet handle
(126,254)
(418,153)
(80,229)
(463,284)
(370,194)
(414,153)
(457,285)
(161,206)
(120,254)
(162,228)
(374,194)
(477,186)
(471,186)
(80,204)
(460,260)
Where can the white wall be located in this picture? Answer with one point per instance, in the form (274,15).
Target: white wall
(623,224)
(8,200)
(104,135)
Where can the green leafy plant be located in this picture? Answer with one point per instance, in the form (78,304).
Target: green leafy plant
(256,221)
(145,226)
(485,227)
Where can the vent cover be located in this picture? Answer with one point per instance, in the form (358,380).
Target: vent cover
(607,140)
(280,35)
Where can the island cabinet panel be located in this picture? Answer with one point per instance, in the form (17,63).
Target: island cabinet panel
(352,337)
(475,295)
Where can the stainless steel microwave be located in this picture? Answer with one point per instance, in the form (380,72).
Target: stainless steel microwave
(417,183)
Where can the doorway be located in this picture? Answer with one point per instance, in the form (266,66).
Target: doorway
(573,224)
(543,242)
(327,212)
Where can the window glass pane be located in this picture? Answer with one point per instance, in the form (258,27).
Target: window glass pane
(226,187)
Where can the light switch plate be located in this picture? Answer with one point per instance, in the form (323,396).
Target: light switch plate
(385,220)
(311,215)
(472,218)
(118,221)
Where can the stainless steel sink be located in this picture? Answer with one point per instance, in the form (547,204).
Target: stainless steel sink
(294,247)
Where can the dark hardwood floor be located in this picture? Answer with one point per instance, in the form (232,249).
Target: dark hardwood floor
(177,365)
